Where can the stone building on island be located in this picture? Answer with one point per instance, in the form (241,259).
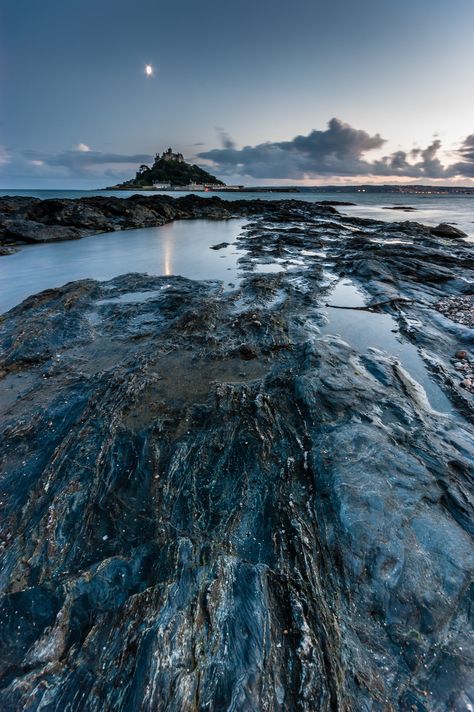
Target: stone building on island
(169,155)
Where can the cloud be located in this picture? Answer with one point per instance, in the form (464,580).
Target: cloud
(81,162)
(83,159)
(423,163)
(226,141)
(340,151)
(4,156)
(465,166)
(467,148)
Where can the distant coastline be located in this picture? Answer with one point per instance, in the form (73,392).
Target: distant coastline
(365,188)
(409,189)
(206,189)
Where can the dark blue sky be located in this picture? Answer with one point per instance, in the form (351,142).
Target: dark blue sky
(72,74)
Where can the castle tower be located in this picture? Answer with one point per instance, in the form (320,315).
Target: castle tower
(169,155)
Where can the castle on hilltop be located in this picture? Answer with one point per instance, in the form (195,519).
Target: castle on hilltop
(170,171)
(169,155)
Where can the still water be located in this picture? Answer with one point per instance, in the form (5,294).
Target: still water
(364,330)
(178,248)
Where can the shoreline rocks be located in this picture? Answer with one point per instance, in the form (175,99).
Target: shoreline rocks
(208,504)
(465,367)
(404,208)
(458,308)
(30,220)
(447,231)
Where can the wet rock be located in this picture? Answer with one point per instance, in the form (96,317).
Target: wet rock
(30,231)
(336,203)
(187,528)
(220,246)
(7,250)
(33,220)
(248,351)
(448,231)
(404,208)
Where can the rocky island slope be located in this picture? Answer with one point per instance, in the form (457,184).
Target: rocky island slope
(169,170)
(210,501)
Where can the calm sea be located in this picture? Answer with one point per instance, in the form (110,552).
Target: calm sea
(430,209)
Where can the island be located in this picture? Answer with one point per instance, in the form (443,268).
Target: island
(170,172)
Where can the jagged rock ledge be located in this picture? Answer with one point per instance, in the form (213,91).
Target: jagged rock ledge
(24,219)
(208,504)
(31,220)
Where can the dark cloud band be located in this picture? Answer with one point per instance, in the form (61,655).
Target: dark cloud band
(337,151)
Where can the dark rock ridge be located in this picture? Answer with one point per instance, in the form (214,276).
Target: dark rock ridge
(209,504)
(335,203)
(404,208)
(446,230)
(30,220)
(33,220)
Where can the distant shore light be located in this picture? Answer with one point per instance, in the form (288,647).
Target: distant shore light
(148,70)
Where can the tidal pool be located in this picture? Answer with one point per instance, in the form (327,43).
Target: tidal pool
(178,248)
(363,330)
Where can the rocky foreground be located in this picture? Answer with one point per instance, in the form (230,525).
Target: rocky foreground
(210,504)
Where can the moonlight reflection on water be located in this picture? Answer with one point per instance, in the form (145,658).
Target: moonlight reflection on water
(178,248)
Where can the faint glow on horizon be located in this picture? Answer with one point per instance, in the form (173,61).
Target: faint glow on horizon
(148,70)
(83,147)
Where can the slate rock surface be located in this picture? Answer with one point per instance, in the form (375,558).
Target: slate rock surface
(210,504)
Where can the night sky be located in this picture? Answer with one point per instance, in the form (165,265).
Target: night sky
(259,92)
